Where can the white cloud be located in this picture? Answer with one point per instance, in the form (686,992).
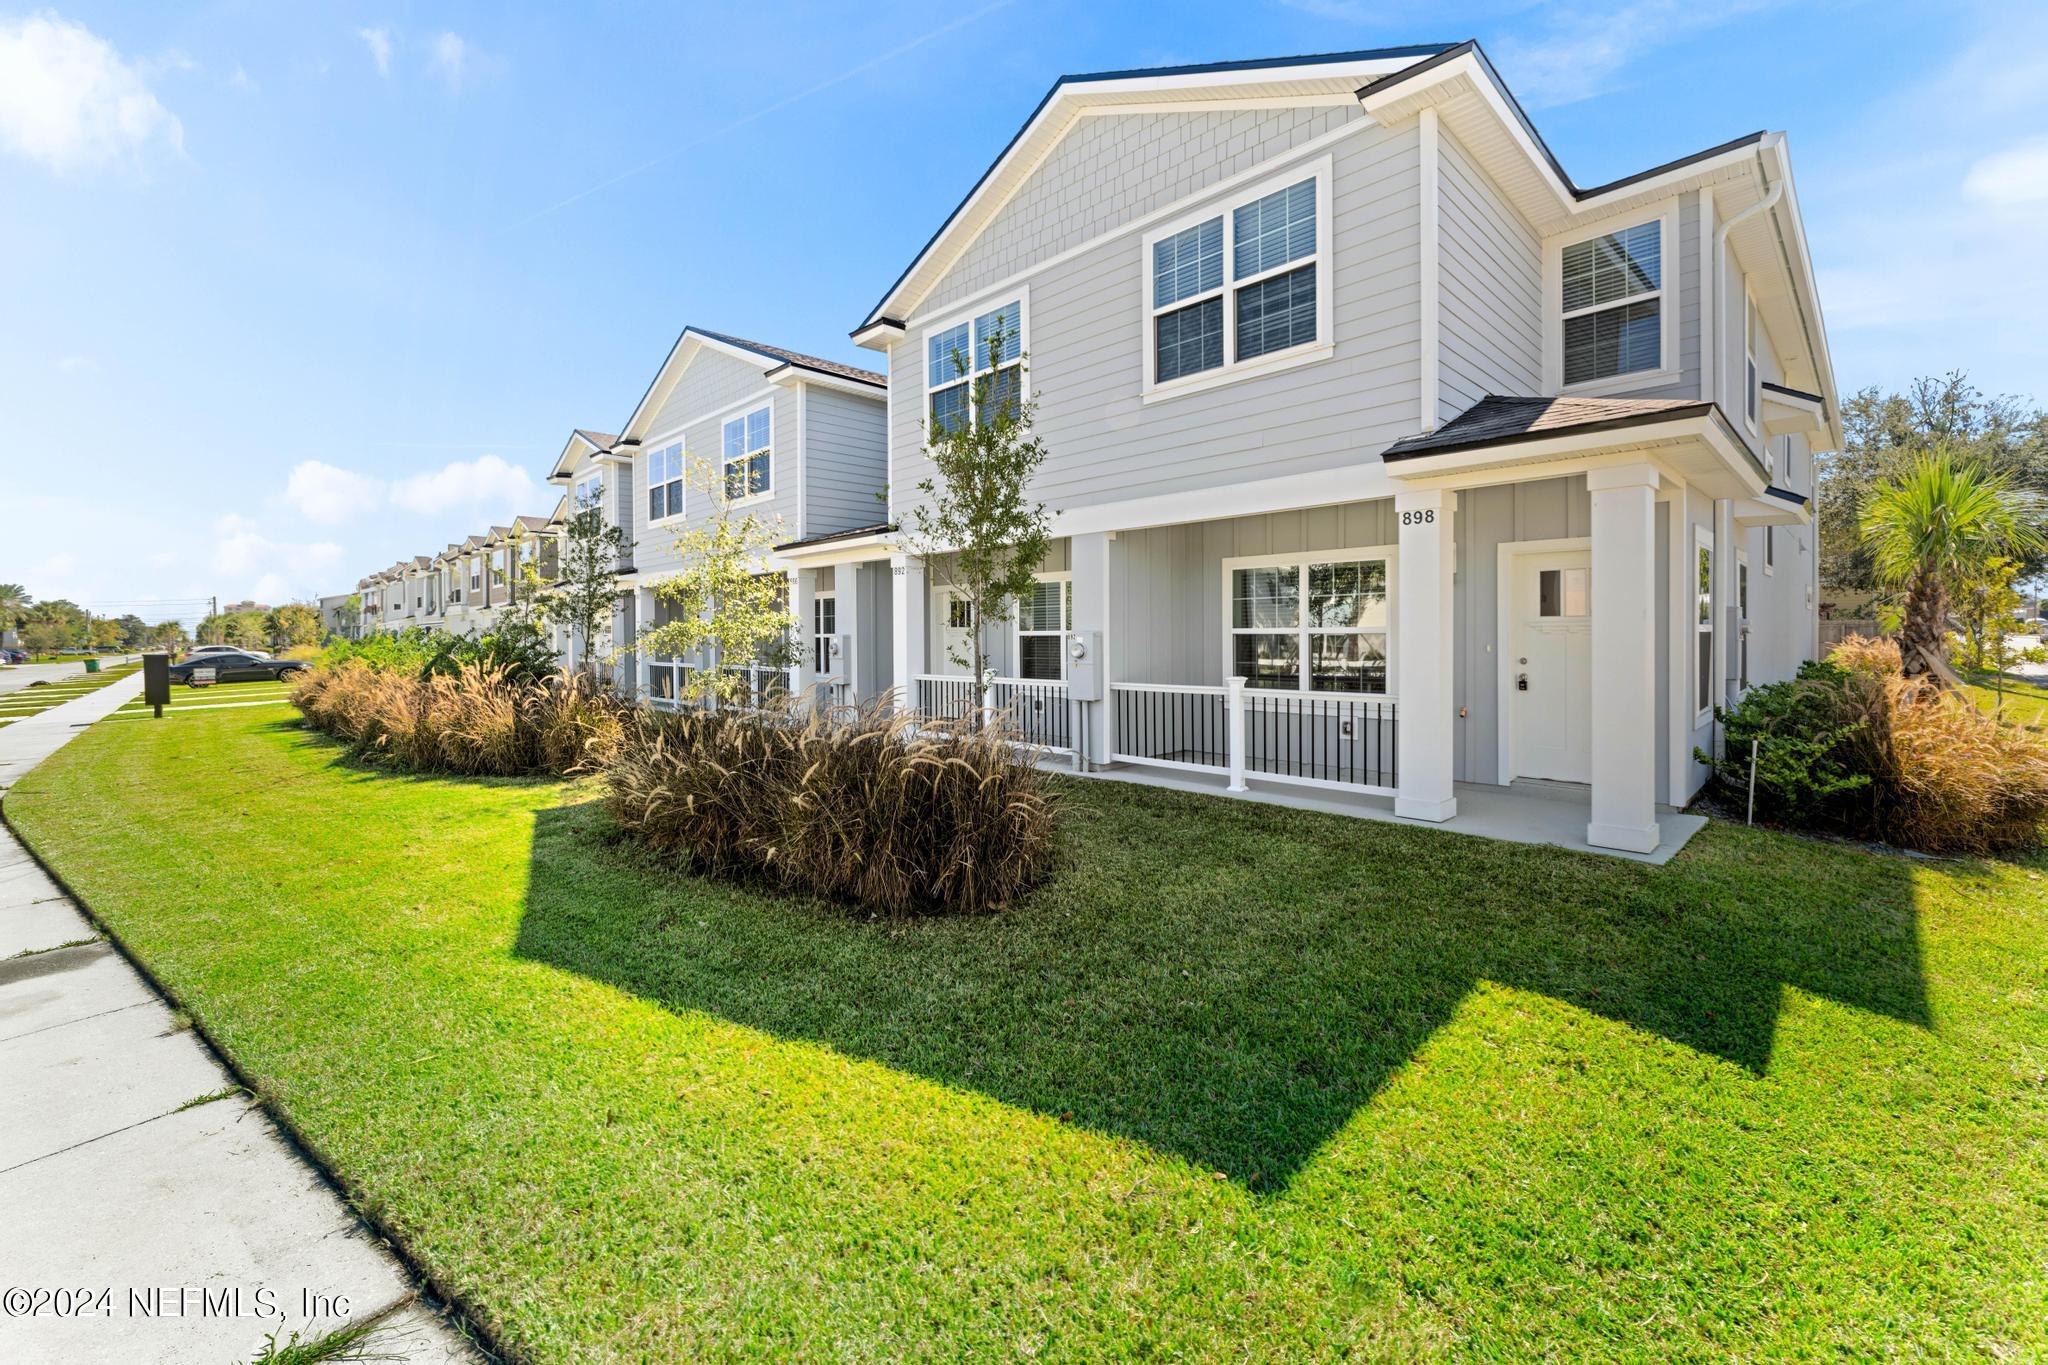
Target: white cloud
(449,59)
(1584,49)
(272,569)
(2017,175)
(378,40)
(487,481)
(323,493)
(69,100)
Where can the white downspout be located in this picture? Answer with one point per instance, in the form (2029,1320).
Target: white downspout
(1762,205)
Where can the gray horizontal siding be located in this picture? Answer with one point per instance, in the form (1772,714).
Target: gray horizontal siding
(1086,361)
(702,402)
(1491,290)
(846,460)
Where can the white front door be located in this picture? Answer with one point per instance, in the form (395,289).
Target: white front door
(956,633)
(1550,667)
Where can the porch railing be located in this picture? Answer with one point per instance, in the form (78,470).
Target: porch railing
(1041,711)
(1302,738)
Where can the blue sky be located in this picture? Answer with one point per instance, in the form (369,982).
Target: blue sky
(292,291)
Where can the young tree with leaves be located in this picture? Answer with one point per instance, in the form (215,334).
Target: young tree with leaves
(976,528)
(583,598)
(1933,527)
(725,605)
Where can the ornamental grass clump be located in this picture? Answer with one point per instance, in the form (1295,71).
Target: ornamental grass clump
(853,805)
(476,719)
(1856,747)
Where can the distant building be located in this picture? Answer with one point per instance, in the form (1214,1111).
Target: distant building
(244,606)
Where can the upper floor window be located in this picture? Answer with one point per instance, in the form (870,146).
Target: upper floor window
(1613,304)
(665,482)
(589,492)
(957,356)
(1238,286)
(748,461)
(1750,385)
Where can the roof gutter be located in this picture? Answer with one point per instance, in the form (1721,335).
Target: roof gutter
(1764,205)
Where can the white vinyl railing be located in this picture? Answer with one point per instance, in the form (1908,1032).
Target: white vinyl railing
(1310,739)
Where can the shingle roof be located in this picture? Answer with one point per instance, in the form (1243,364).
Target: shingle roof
(603,440)
(877,529)
(1496,420)
(528,523)
(802,361)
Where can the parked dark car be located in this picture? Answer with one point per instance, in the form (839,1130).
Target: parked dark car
(231,667)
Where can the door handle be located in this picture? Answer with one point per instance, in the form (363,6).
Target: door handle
(1521,682)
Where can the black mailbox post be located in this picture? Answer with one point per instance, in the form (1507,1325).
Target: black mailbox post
(156,681)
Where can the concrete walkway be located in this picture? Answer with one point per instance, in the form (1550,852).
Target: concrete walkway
(157,1228)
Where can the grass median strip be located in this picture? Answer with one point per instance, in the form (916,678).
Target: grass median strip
(34,700)
(1239,1078)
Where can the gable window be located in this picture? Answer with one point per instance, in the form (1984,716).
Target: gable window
(1613,304)
(665,482)
(1043,620)
(749,464)
(1703,624)
(1310,624)
(956,356)
(1240,285)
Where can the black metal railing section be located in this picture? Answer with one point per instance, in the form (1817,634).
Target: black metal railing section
(1182,725)
(1347,741)
(1039,710)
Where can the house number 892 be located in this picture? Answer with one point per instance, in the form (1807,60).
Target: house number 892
(1422,518)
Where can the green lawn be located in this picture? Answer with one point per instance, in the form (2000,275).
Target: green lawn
(1241,1082)
(33,700)
(216,695)
(2021,703)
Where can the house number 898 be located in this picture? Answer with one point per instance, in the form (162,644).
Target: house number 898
(1422,518)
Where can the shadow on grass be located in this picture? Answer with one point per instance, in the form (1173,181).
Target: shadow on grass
(1230,981)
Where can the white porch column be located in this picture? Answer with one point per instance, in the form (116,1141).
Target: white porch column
(1422,655)
(912,618)
(1624,698)
(803,599)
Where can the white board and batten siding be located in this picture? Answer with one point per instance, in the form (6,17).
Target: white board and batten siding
(1086,325)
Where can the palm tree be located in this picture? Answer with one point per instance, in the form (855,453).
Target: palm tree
(1934,523)
(14,600)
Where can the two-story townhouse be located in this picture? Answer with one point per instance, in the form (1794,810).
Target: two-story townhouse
(796,440)
(1383,457)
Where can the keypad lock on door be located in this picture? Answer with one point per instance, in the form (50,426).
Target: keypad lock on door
(1522,679)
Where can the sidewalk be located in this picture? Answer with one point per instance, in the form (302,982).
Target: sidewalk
(202,1224)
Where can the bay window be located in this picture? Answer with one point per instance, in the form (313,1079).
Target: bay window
(989,345)
(665,482)
(1043,622)
(1311,624)
(1240,285)
(1613,304)
(749,463)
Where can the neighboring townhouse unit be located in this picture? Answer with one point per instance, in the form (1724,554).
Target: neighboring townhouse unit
(798,441)
(1383,457)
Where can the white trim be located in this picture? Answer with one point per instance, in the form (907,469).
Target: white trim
(1503,637)
(802,392)
(1266,169)
(1334,100)
(1668,295)
(1388,555)
(1432,282)
(1318,488)
(682,448)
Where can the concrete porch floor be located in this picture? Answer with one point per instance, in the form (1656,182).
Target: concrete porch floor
(1526,813)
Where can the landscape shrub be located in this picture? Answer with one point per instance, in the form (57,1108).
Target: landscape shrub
(478,719)
(850,805)
(1854,746)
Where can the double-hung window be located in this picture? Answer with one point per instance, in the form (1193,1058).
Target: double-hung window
(665,482)
(1241,285)
(1313,624)
(1613,304)
(1703,622)
(589,492)
(958,357)
(1043,620)
(749,463)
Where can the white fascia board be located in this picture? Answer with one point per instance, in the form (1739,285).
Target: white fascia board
(572,454)
(879,335)
(1348,483)
(671,372)
(856,550)
(791,376)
